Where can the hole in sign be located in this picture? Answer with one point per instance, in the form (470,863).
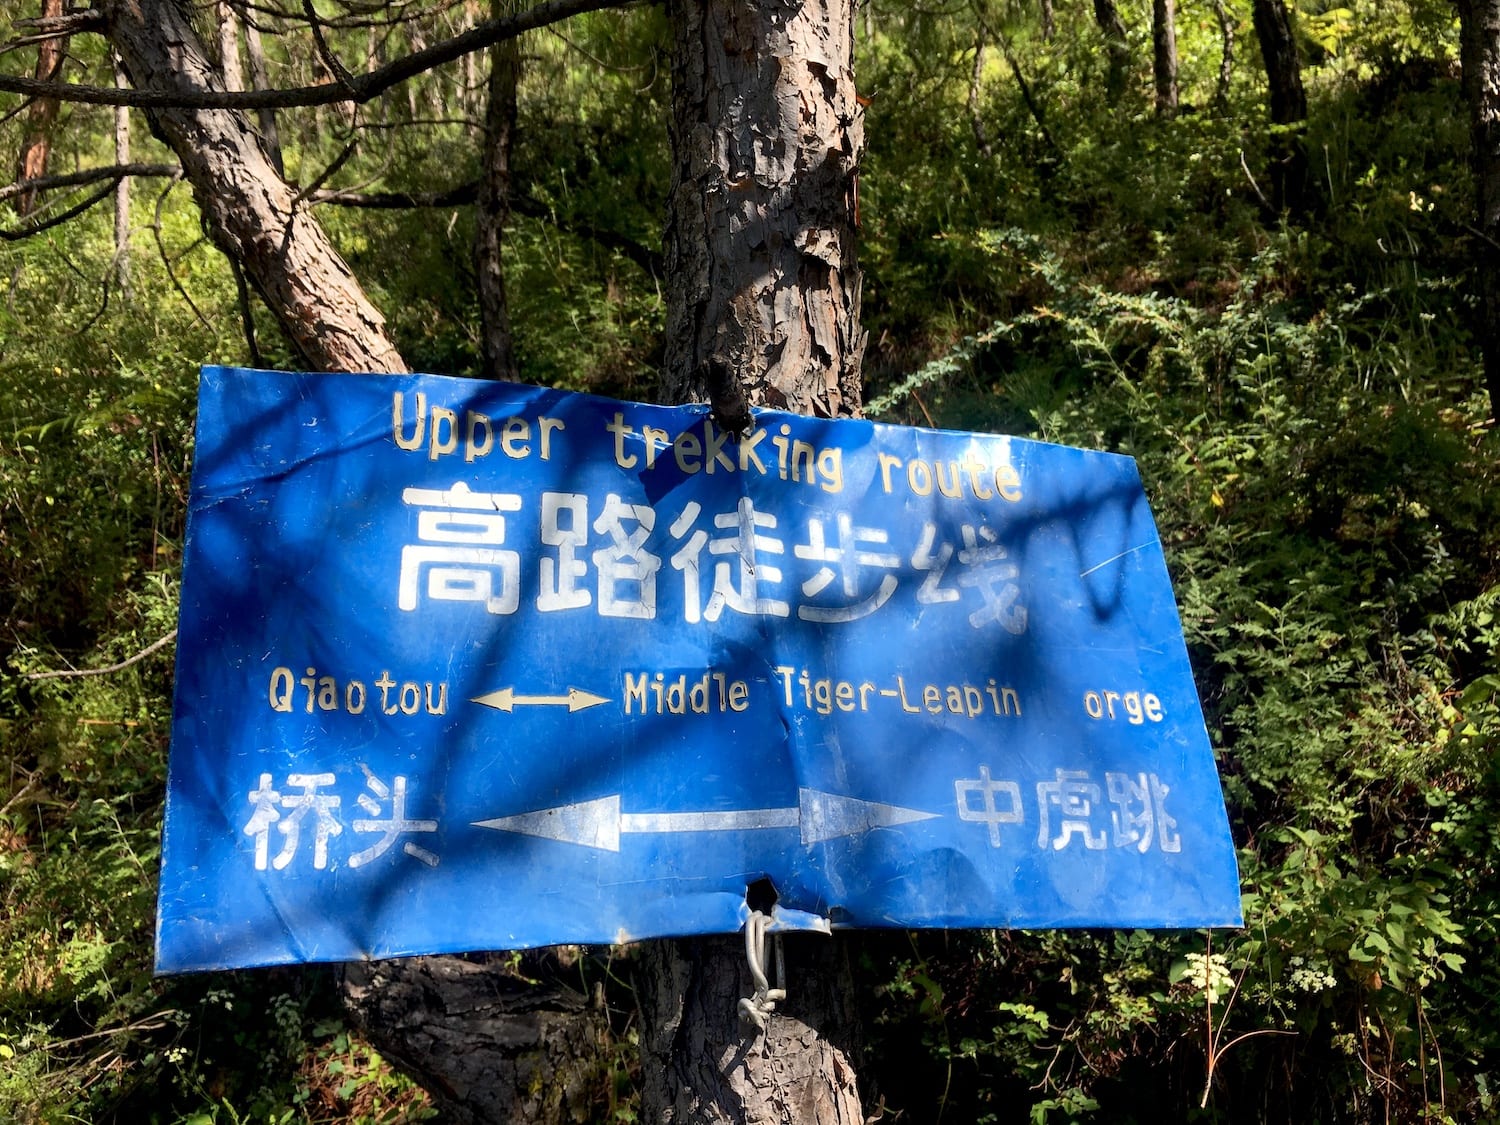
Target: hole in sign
(761,895)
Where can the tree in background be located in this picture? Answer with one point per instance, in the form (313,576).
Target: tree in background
(1481,80)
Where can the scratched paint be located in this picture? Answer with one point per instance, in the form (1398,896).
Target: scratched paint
(470,665)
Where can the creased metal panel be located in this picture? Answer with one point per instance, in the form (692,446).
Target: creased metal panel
(468,665)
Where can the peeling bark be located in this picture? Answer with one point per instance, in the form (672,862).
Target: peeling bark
(250,212)
(766,135)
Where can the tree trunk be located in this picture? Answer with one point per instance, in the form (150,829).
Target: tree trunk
(492,212)
(122,193)
(1164,55)
(1278,49)
(762,309)
(1117,45)
(699,1064)
(249,211)
(759,244)
(229,45)
(1226,55)
(255,51)
(488,1042)
(1480,45)
(36,141)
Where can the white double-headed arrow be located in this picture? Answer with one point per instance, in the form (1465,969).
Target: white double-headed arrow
(600,823)
(507,699)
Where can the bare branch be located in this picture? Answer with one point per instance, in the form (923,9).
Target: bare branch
(121,666)
(648,259)
(361,88)
(85,19)
(398,200)
(113,173)
(77,209)
(247,318)
(161,248)
(339,71)
(48,28)
(328,173)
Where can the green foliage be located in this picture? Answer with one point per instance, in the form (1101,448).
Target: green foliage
(1331,523)
(1300,393)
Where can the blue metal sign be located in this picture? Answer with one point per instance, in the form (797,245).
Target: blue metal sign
(468,665)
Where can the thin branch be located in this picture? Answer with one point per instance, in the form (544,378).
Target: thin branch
(327,174)
(398,200)
(361,87)
(19,795)
(136,659)
(85,19)
(48,28)
(1032,105)
(57,220)
(1260,195)
(149,1023)
(166,261)
(649,260)
(339,71)
(113,173)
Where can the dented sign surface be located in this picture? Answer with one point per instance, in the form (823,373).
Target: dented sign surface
(469,665)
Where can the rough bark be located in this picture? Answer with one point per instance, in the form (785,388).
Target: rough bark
(489,1044)
(762,309)
(250,212)
(1116,45)
(1288,100)
(36,142)
(1164,55)
(1480,45)
(766,136)
(492,212)
(698,1064)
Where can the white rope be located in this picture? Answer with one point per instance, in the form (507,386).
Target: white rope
(755,1011)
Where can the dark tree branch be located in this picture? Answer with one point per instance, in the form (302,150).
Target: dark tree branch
(339,71)
(166,261)
(361,87)
(114,173)
(247,318)
(53,27)
(643,256)
(72,212)
(328,173)
(460,196)
(86,19)
(465,194)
